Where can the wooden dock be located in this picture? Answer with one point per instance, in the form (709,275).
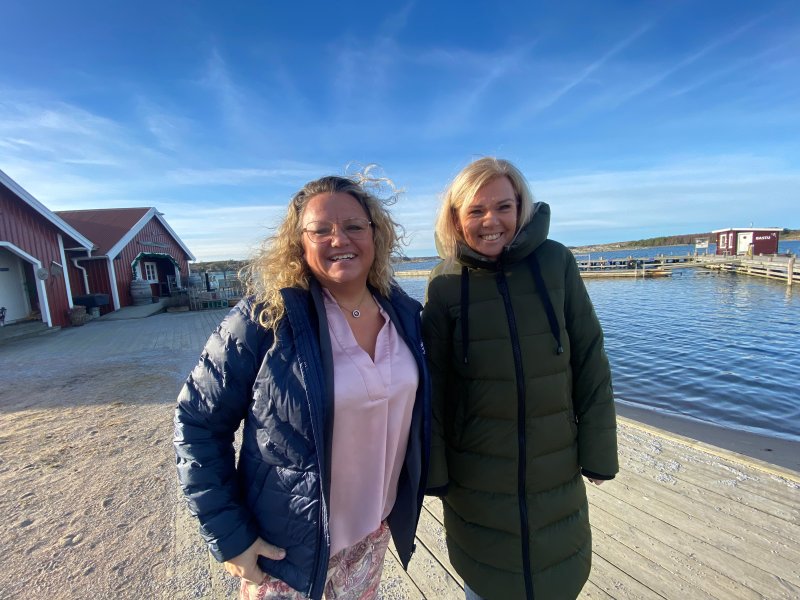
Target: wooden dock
(629,266)
(681,521)
(413,273)
(588,269)
(780,268)
(777,267)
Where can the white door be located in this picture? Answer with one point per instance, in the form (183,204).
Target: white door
(745,239)
(12,287)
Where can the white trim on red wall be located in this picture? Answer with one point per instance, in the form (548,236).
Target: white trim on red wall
(66,269)
(112,277)
(44,304)
(152,213)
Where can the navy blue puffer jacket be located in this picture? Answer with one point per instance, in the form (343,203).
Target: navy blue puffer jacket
(284,393)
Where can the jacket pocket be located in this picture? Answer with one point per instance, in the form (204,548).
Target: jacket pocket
(459,419)
(256,485)
(573,421)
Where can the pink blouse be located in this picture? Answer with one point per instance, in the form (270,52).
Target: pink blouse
(373,402)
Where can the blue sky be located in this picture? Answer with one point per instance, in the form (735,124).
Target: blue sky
(631,119)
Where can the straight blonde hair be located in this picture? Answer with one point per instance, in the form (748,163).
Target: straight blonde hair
(463,189)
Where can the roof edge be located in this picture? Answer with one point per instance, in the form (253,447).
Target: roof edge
(747,229)
(126,239)
(48,214)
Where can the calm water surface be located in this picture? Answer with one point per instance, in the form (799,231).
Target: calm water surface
(719,348)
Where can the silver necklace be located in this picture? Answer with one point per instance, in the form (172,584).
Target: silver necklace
(355,312)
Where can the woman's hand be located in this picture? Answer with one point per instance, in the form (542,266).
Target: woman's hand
(596,481)
(246,564)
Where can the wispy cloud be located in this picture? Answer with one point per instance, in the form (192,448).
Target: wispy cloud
(29,121)
(216,233)
(167,129)
(529,110)
(376,59)
(734,67)
(455,110)
(34,128)
(236,176)
(658,78)
(394,23)
(230,98)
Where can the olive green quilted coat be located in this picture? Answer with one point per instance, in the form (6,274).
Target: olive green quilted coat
(515,499)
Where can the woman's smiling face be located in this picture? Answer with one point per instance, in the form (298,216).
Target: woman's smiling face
(489,221)
(339,261)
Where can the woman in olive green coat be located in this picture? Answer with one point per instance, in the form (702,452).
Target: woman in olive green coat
(522,397)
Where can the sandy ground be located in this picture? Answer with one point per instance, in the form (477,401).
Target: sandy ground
(88,492)
(84,482)
(88,496)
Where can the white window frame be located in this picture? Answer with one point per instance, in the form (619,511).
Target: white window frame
(146,267)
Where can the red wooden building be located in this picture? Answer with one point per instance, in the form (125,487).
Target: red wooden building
(130,244)
(747,240)
(48,259)
(36,247)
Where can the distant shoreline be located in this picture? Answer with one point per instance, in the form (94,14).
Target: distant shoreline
(235,265)
(592,248)
(616,247)
(574,249)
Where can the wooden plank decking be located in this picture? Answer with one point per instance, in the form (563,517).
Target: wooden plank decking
(679,522)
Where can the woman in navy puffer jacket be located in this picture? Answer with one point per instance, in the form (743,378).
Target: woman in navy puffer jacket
(324,364)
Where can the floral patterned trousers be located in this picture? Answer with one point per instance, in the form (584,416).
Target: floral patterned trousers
(353,574)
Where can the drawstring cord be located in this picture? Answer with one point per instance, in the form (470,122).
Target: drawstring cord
(536,270)
(465,313)
(548,305)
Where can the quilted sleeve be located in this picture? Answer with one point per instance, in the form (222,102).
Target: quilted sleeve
(592,392)
(211,406)
(435,332)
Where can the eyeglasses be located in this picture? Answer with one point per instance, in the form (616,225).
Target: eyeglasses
(320,232)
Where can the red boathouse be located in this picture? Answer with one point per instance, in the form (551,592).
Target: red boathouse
(130,244)
(747,240)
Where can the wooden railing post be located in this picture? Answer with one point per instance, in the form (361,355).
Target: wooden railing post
(790,271)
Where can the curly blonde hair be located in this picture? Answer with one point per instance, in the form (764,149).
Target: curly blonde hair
(463,189)
(279,262)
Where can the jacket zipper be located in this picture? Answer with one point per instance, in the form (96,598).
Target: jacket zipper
(318,562)
(319,575)
(321,559)
(323,555)
(502,285)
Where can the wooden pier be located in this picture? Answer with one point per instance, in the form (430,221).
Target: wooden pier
(413,273)
(777,267)
(682,521)
(780,267)
(621,267)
